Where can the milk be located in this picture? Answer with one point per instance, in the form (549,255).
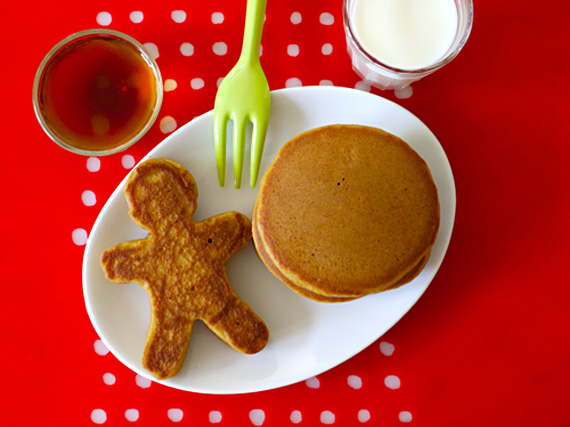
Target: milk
(405,34)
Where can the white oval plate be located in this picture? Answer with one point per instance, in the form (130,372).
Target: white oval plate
(306,337)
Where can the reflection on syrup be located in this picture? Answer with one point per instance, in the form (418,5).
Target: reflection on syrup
(98,93)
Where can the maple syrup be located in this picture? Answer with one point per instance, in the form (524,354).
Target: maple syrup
(97,92)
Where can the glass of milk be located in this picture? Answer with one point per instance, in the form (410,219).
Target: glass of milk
(393,43)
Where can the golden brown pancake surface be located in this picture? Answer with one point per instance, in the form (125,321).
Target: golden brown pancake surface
(346,210)
(181,264)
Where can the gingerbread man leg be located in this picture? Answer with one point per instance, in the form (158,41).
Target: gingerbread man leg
(166,345)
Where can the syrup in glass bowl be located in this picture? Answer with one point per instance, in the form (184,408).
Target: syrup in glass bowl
(97,92)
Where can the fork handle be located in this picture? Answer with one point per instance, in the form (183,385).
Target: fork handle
(254,19)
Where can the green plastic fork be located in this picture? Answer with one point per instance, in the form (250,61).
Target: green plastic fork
(244,97)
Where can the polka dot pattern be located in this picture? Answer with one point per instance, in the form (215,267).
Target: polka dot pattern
(132,415)
(405,416)
(257,417)
(167,124)
(327,417)
(386,348)
(215,417)
(79,236)
(109,378)
(364,415)
(98,416)
(136,17)
(187,49)
(178,16)
(93,164)
(392,382)
(88,198)
(296,417)
(128,161)
(175,415)
(104,19)
(142,382)
(100,348)
(217,18)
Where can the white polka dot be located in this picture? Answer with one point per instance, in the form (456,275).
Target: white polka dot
(296,417)
(178,16)
(109,378)
(386,348)
(152,50)
(354,381)
(104,18)
(326,83)
(392,382)
(167,124)
(132,415)
(196,83)
(187,49)
(170,85)
(175,415)
(136,17)
(79,236)
(215,417)
(220,48)
(326,18)
(88,198)
(93,164)
(327,49)
(363,415)
(296,18)
(127,161)
(100,348)
(363,86)
(313,382)
(327,417)
(293,82)
(257,417)
(405,416)
(293,50)
(142,382)
(98,416)
(219,81)
(404,93)
(217,18)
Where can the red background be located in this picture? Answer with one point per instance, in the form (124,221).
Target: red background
(488,342)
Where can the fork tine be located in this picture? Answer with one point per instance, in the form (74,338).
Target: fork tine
(239,148)
(258,142)
(220,132)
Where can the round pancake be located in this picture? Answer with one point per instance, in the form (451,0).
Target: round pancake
(346,210)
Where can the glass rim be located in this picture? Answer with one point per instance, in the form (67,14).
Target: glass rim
(416,71)
(54,51)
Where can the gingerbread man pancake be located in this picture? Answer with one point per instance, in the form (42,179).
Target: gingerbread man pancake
(181,264)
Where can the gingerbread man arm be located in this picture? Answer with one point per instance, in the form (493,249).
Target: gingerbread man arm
(226,234)
(238,326)
(121,263)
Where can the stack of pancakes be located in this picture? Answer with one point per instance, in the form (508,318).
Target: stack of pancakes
(345,211)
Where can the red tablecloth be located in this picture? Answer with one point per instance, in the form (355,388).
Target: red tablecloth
(487,344)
